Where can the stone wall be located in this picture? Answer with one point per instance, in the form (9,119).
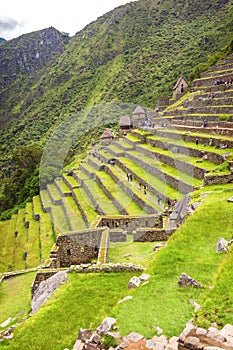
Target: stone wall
(183,149)
(150,235)
(218,179)
(80,247)
(166,178)
(191,138)
(178,164)
(118,205)
(117,235)
(81,209)
(40,277)
(142,204)
(129,223)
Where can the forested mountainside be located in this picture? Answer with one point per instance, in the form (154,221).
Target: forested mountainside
(134,53)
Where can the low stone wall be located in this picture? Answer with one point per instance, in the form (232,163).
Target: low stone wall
(178,164)
(117,235)
(96,166)
(183,149)
(96,205)
(218,179)
(150,235)
(81,209)
(86,171)
(166,178)
(142,204)
(93,268)
(118,205)
(217,131)
(191,138)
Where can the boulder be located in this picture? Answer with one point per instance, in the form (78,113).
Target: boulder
(134,282)
(222,246)
(78,345)
(187,281)
(106,325)
(132,337)
(144,277)
(46,288)
(84,334)
(128,297)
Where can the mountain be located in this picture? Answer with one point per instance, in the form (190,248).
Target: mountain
(134,53)
(2,40)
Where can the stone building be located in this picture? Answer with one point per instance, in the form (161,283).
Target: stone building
(180,87)
(107,136)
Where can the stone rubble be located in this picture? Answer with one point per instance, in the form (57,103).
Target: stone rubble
(187,281)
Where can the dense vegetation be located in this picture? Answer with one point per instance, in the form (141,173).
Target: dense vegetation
(143,47)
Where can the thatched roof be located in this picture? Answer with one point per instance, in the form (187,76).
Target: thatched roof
(179,81)
(125,121)
(139,110)
(107,134)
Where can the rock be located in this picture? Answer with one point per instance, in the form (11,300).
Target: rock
(144,277)
(132,337)
(115,335)
(227,330)
(91,346)
(95,338)
(150,344)
(106,325)
(201,331)
(187,281)
(191,342)
(196,305)
(158,330)
(78,345)
(222,246)
(134,282)
(84,334)
(5,323)
(129,297)
(189,327)
(46,288)
(212,348)
(126,255)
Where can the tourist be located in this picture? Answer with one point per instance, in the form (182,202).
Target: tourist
(159,199)
(211,142)
(144,189)
(197,141)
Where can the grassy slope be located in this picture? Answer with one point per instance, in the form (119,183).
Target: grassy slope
(192,250)
(54,326)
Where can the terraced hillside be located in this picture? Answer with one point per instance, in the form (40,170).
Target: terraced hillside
(142,173)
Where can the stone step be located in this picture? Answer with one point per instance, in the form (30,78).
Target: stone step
(54,194)
(62,187)
(221,69)
(191,137)
(59,219)
(85,205)
(134,193)
(73,214)
(193,128)
(45,200)
(210,80)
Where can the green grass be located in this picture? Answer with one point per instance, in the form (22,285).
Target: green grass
(53,191)
(63,186)
(32,246)
(119,194)
(121,176)
(101,198)
(140,253)
(192,250)
(15,297)
(70,180)
(90,297)
(46,200)
(20,241)
(37,207)
(149,178)
(59,219)
(192,145)
(7,239)
(196,134)
(86,204)
(46,235)
(74,214)
(182,157)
